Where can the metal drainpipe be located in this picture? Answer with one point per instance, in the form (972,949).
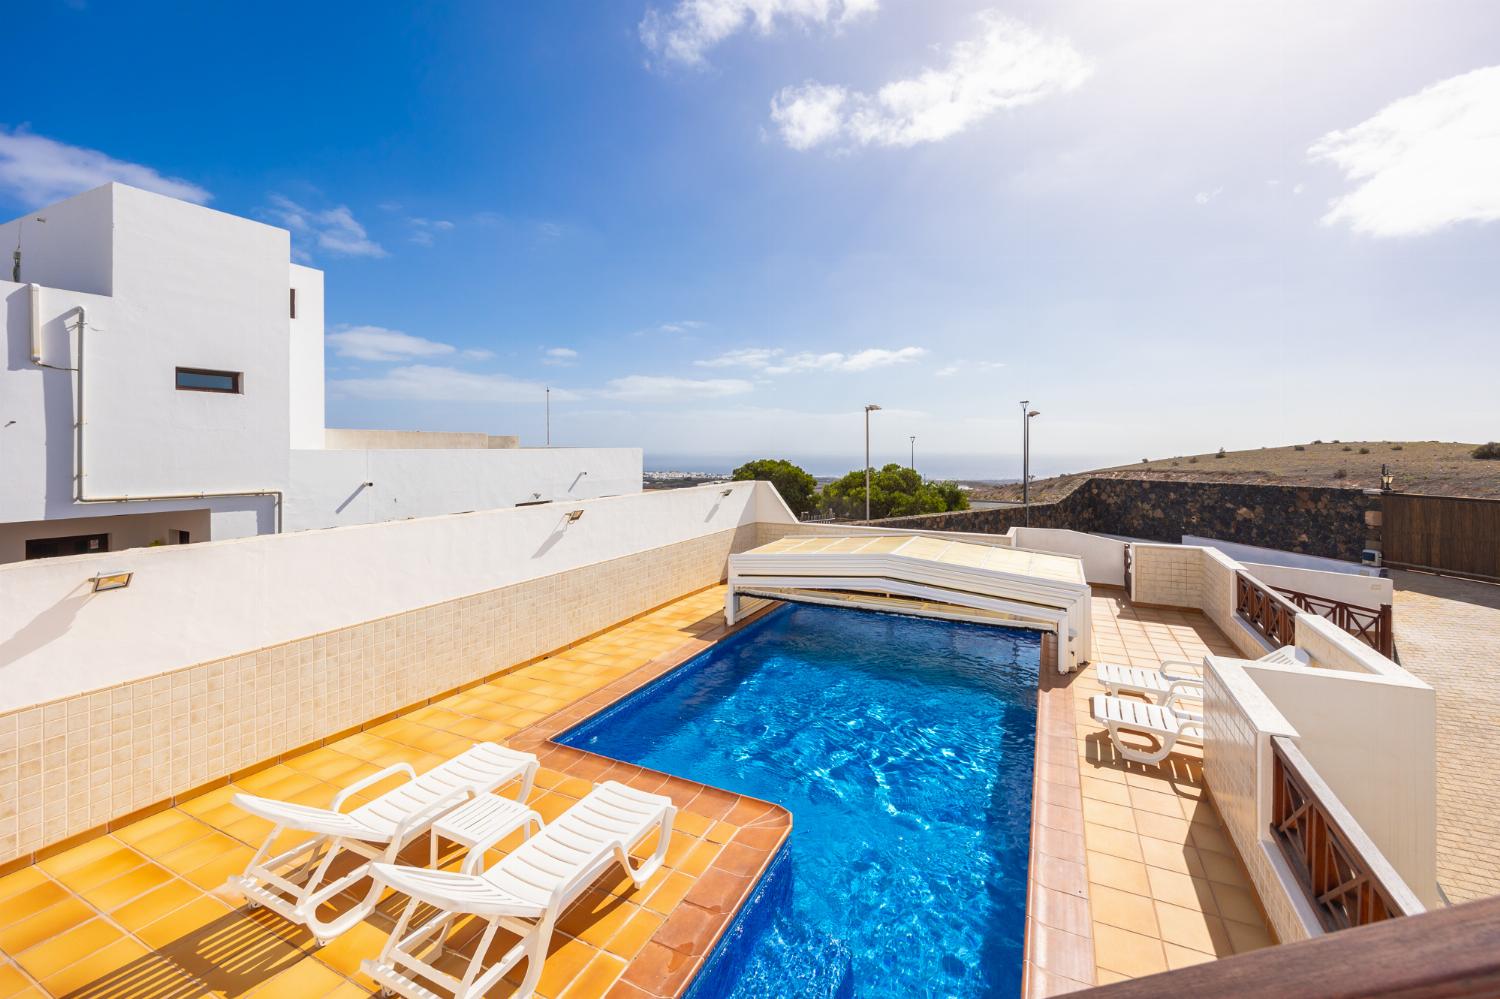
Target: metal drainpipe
(78,493)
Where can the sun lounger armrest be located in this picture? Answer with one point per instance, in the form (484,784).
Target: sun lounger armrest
(424,817)
(375,778)
(1167,664)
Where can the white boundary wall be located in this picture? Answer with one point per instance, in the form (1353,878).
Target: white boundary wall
(194,603)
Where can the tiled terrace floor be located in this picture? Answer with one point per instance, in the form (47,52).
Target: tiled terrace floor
(1166,888)
(142,912)
(1448,634)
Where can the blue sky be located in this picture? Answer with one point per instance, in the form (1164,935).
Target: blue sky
(719,227)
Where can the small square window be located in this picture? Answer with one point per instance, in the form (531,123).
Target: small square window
(203,380)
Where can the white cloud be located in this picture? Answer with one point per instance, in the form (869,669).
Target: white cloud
(1204,197)
(560,356)
(441,384)
(962,367)
(1008,64)
(478,353)
(775,361)
(1423,162)
(38,170)
(663,388)
(334,229)
(375,343)
(686,33)
(424,231)
(684,327)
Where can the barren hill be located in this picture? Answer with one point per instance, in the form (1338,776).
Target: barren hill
(1434,467)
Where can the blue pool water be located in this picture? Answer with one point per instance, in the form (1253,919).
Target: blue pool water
(903,748)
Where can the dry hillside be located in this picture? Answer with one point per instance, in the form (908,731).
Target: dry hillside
(1435,467)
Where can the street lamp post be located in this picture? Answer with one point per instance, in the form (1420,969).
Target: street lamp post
(1026,415)
(547,402)
(870,408)
(913,452)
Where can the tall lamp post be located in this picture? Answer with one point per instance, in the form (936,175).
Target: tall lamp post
(1026,416)
(870,408)
(913,452)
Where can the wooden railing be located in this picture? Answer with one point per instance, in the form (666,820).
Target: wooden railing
(1346,878)
(1267,611)
(1368,624)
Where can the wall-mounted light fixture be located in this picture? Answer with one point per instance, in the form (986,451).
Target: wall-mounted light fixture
(111,581)
(727,492)
(367,485)
(573,515)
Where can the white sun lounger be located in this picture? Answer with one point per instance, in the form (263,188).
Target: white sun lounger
(1154,683)
(524,892)
(1161,723)
(378,830)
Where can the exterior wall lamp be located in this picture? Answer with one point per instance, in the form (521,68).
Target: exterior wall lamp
(727,492)
(573,516)
(111,581)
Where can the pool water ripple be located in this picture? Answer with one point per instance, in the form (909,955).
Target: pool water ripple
(903,748)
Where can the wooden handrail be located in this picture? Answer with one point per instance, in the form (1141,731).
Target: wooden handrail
(1371,625)
(1347,879)
(1267,611)
(1446,952)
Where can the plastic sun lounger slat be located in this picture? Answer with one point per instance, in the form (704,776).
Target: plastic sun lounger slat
(526,890)
(388,822)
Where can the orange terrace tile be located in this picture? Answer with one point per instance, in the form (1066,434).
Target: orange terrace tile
(144,908)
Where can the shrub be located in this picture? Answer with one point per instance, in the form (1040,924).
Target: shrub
(796,486)
(1490,451)
(1300,447)
(895,491)
(1342,473)
(1193,460)
(1143,461)
(1317,442)
(1364,450)
(1396,447)
(1346,447)
(1220,453)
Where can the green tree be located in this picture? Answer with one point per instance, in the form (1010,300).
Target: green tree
(796,486)
(895,491)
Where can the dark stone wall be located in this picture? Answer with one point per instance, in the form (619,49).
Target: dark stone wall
(1313,520)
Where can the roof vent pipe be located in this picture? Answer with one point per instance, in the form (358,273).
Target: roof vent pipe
(36,322)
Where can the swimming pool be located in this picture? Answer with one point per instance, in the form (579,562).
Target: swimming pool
(903,748)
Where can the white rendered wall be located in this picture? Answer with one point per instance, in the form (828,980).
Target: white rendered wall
(1373,739)
(1350,588)
(58,638)
(1103,558)
(306,386)
(1275,556)
(327,487)
(192,288)
(73,249)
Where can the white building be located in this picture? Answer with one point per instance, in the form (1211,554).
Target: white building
(164,384)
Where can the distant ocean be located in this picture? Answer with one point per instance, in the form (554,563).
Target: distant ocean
(975,467)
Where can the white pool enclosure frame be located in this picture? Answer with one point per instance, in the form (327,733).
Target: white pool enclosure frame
(925,576)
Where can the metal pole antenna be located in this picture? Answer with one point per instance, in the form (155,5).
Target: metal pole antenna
(548,404)
(869,408)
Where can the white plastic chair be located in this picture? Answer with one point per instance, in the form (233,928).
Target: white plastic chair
(1166,725)
(524,892)
(1154,683)
(378,830)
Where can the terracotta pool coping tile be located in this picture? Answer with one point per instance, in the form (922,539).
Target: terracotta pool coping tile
(1058,953)
(713,899)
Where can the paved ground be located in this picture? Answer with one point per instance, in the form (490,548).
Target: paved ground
(1166,887)
(1448,633)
